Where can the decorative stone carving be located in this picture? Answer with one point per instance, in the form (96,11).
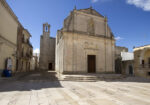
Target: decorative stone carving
(90,45)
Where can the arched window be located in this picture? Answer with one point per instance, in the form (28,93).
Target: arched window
(46,28)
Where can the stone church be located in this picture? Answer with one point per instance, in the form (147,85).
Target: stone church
(85,44)
(47,49)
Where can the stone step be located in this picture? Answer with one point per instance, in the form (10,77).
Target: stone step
(90,77)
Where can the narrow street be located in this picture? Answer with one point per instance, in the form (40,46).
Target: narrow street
(43,88)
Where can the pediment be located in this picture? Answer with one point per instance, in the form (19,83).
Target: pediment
(91,11)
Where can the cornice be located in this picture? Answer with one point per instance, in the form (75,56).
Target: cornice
(26,31)
(86,14)
(84,33)
(142,47)
(5,4)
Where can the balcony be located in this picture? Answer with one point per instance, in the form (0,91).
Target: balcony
(26,56)
(27,42)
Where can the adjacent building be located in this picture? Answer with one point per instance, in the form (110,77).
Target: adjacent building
(35,62)
(127,63)
(124,61)
(118,58)
(85,44)
(47,50)
(11,34)
(19,48)
(8,36)
(27,51)
(24,50)
(142,61)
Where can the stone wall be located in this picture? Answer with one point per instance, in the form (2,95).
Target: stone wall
(118,60)
(119,49)
(8,35)
(60,47)
(76,49)
(52,51)
(81,22)
(141,63)
(8,25)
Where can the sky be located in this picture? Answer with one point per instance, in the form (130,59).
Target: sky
(129,20)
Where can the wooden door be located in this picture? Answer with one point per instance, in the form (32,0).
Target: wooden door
(91,63)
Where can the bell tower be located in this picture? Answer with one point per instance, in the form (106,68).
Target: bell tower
(44,47)
(46,30)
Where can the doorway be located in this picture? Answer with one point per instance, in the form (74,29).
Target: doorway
(130,70)
(91,63)
(50,66)
(149,62)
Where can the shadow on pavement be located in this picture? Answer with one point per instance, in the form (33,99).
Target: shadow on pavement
(31,81)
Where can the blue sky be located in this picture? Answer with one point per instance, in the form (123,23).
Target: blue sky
(128,19)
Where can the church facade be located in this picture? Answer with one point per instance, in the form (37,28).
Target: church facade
(85,44)
(47,50)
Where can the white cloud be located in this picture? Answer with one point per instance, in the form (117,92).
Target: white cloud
(37,50)
(118,38)
(144,4)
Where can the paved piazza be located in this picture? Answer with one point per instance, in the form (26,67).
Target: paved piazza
(33,89)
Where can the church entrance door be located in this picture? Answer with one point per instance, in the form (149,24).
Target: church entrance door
(91,63)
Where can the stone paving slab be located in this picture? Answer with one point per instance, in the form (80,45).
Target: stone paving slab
(40,92)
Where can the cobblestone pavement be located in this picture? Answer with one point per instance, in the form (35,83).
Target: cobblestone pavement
(38,89)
